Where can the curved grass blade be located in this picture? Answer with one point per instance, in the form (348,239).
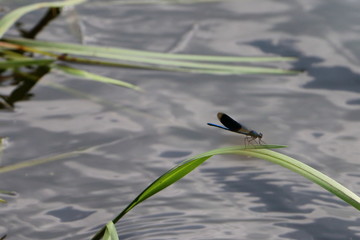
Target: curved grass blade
(9,19)
(259,151)
(308,172)
(175,174)
(92,76)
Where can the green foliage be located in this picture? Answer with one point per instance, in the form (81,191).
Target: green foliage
(152,60)
(51,53)
(258,151)
(9,19)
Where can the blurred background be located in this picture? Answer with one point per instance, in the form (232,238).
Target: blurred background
(130,138)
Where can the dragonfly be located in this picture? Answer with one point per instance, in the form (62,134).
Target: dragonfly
(234,126)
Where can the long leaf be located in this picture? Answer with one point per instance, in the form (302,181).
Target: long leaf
(120,53)
(175,174)
(9,19)
(190,66)
(187,166)
(211,69)
(143,62)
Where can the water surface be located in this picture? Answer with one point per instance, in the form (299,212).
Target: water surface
(132,138)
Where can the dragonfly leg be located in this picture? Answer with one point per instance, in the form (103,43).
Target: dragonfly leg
(245,140)
(249,140)
(261,142)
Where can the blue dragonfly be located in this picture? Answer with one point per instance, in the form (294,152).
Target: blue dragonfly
(234,126)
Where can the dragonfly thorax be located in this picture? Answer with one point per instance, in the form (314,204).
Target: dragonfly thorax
(255,134)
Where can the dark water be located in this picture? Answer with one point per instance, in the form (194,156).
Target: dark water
(138,136)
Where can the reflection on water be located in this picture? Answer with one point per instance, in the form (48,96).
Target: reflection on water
(142,135)
(69,214)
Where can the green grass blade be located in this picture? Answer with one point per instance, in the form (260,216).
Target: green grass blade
(9,19)
(92,76)
(24,62)
(13,55)
(175,174)
(138,65)
(110,232)
(258,151)
(308,172)
(150,59)
(121,53)
(109,63)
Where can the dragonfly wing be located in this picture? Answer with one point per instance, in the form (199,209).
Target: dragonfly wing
(232,125)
